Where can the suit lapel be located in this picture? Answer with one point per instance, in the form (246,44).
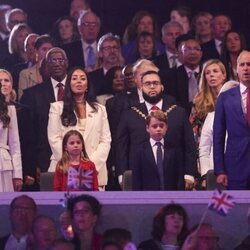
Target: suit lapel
(236,101)
(90,119)
(151,158)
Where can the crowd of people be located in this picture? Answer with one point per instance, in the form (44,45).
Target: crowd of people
(90,108)
(76,229)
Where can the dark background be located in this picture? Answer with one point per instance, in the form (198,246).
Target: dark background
(116,14)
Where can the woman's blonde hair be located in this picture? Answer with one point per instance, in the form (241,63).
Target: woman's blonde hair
(65,160)
(205,99)
(12,96)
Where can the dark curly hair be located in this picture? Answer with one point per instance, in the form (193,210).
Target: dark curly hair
(159,222)
(68,116)
(91,200)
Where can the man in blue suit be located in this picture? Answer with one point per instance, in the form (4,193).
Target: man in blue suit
(232,162)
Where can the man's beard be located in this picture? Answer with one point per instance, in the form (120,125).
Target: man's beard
(152,99)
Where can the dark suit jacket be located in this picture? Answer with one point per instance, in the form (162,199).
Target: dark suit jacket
(209,51)
(3,241)
(131,132)
(38,99)
(229,117)
(97,79)
(145,173)
(162,62)
(74,53)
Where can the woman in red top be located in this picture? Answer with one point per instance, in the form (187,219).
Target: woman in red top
(75,172)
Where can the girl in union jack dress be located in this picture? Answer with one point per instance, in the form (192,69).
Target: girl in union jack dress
(75,172)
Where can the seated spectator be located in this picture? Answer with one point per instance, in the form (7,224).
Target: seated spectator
(233,44)
(109,55)
(22,213)
(31,76)
(85,212)
(121,236)
(201,23)
(202,237)
(4,32)
(16,46)
(114,82)
(182,15)
(169,229)
(61,244)
(65,31)
(142,21)
(212,49)
(78,7)
(44,233)
(145,46)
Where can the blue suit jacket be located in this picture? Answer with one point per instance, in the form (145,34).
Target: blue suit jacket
(229,117)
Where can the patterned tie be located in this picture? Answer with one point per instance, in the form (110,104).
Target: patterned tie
(91,56)
(248,106)
(159,163)
(192,86)
(60,92)
(173,61)
(154,107)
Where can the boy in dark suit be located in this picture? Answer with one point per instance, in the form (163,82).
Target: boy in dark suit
(156,165)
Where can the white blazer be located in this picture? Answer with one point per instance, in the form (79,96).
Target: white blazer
(96,137)
(10,154)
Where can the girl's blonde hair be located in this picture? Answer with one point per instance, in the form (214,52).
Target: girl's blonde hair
(205,99)
(65,160)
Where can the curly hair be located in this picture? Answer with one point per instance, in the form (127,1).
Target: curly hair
(68,117)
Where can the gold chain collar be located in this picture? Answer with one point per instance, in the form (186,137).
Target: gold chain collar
(140,113)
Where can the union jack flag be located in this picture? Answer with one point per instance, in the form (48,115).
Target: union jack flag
(221,202)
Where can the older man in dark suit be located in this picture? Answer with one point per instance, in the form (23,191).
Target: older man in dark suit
(38,99)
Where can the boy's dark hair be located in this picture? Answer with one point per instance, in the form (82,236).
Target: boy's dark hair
(157,114)
(117,235)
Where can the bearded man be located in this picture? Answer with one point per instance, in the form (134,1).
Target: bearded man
(131,130)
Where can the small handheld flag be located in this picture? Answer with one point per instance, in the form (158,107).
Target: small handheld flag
(221,202)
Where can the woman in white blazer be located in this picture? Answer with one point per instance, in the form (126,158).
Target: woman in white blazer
(10,154)
(80,111)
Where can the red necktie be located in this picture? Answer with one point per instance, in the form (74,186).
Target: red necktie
(60,92)
(154,107)
(248,106)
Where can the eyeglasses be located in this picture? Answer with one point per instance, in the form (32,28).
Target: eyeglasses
(90,24)
(189,50)
(148,84)
(109,48)
(57,60)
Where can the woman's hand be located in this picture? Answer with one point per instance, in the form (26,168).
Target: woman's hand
(222,179)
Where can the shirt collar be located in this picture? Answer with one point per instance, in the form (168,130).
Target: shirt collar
(22,239)
(243,88)
(196,70)
(55,82)
(153,142)
(85,45)
(150,105)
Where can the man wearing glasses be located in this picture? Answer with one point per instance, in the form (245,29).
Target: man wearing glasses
(109,55)
(83,52)
(131,131)
(22,213)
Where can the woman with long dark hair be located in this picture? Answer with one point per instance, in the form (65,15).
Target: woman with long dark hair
(80,111)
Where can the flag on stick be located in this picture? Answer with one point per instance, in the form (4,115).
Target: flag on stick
(221,202)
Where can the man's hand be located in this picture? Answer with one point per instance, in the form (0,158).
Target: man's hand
(222,179)
(17,184)
(189,184)
(120,180)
